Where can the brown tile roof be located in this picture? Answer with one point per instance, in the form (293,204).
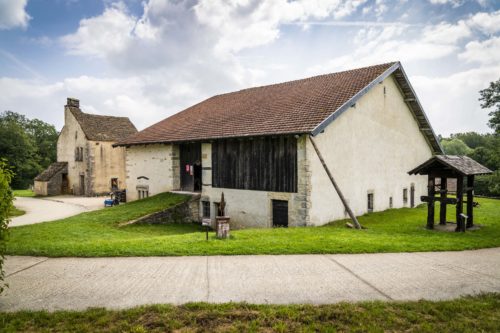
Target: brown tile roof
(461,164)
(290,107)
(103,128)
(51,171)
(295,107)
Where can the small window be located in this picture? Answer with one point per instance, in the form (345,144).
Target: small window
(205,205)
(390,202)
(370,202)
(405,196)
(79,154)
(114,184)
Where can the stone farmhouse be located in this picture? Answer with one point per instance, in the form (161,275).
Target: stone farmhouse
(255,145)
(87,164)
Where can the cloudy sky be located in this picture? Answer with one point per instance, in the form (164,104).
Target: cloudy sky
(148,59)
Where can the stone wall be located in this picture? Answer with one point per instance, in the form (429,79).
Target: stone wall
(185,212)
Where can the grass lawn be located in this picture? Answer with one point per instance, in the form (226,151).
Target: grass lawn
(97,233)
(23,193)
(470,314)
(16,212)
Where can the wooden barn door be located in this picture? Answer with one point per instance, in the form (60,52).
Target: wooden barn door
(190,159)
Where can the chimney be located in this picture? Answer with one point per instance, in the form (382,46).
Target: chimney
(73,102)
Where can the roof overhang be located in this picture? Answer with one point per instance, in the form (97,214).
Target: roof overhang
(410,98)
(208,139)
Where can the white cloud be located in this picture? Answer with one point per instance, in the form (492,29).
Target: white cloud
(243,24)
(13,14)
(453,3)
(484,52)
(451,101)
(446,33)
(102,35)
(488,23)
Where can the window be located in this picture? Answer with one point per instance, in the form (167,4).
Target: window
(405,196)
(205,205)
(390,202)
(114,184)
(143,194)
(142,191)
(370,202)
(79,154)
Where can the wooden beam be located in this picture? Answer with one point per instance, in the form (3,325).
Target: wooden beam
(342,198)
(430,204)
(460,197)
(442,207)
(470,201)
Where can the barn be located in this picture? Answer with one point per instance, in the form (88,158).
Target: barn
(255,145)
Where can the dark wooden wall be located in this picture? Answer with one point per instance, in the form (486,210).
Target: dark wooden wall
(265,164)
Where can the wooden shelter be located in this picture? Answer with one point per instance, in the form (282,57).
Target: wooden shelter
(444,167)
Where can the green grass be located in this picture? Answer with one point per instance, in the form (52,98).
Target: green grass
(16,212)
(24,193)
(469,314)
(97,234)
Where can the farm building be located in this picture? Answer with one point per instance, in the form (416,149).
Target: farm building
(87,164)
(255,145)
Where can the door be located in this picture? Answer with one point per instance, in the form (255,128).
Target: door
(190,159)
(82,185)
(280,213)
(64,184)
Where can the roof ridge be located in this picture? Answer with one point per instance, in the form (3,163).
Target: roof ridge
(306,79)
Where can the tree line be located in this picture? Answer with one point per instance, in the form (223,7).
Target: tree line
(28,146)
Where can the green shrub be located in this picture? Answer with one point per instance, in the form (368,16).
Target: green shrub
(5,208)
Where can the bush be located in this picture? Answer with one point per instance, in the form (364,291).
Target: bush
(5,207)
(488,185)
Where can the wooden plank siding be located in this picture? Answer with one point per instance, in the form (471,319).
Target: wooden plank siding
(264,164)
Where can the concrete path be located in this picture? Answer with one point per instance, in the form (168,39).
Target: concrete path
(54,208)
(77,283)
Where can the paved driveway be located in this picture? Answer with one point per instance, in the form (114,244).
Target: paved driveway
(77,283)
(49,209)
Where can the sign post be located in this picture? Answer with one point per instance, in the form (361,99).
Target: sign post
(206,223)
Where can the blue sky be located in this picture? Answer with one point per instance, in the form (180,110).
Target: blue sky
(149,59)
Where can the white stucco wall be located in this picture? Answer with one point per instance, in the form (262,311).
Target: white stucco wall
(159,163)
(72,136)
(370,147)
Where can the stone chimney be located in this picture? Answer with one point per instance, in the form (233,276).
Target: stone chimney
(73,102)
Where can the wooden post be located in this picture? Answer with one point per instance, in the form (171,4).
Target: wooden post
(460,197)
(470,200)
(344,201)
(443,195)
(430,203)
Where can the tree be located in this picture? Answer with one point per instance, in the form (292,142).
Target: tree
(5,208)
(29,145)
(455,147)
(19,151)
(491,99)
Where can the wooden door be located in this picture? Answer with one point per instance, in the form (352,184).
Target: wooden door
(280,213)
(64,184)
